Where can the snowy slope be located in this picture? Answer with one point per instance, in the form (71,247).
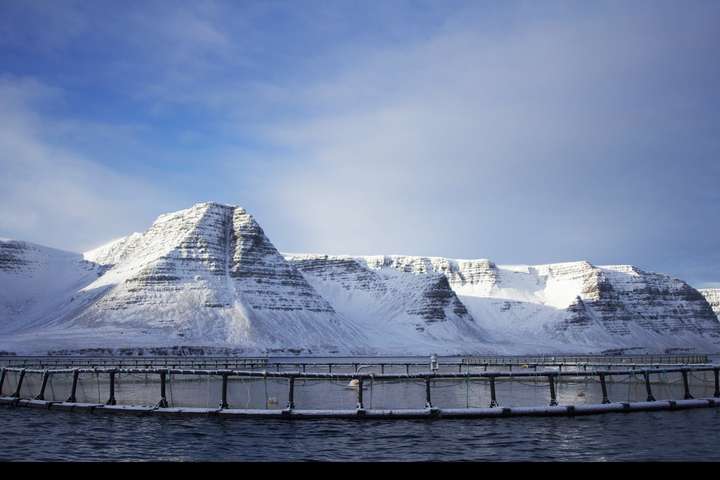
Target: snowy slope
(37,283)
(400,312)
(115,251)
(712,295)
(206,275)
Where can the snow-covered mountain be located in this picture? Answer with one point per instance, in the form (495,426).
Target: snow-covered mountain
(399,311)
(204,276)
(209,277)
(523,308)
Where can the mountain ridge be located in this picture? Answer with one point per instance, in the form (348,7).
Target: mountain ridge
(209,275)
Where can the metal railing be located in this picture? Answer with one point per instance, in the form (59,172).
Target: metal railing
(674,359)
(43,361)
(382,365)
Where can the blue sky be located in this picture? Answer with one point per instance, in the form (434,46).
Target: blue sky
(520,131)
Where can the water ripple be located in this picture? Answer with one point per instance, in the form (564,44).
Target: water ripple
(43,436)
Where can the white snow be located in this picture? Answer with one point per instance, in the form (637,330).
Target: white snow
(41,284)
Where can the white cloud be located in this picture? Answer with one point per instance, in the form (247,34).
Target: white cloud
(52,195)
(532,143)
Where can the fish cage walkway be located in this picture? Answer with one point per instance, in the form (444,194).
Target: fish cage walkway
(377,364)
(156,382)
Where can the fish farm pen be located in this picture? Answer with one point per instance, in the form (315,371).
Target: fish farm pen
(469,387)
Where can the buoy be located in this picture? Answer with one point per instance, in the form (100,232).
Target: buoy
(433,362)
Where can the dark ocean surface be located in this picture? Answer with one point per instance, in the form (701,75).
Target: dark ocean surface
(40,435)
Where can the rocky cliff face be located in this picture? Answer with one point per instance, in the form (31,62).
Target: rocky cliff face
(211,252)
(401,310)
(625,298)
(428,297)
(13,255)
(604,304)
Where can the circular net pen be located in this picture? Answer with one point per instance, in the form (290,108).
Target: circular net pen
(359,391)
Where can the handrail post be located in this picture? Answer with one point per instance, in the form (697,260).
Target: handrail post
(603,386)
(19,384)
(493,399)
(163,399)
(686,386)
(71,398)
(717,383)
(360,405)
(41,395)
(223,401)
(291,393)
(553,398)
(650,397)
(111,400)
(428,400)
(2,379)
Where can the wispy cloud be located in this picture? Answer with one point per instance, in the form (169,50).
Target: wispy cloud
(53,195)
(553,139)
(519,131)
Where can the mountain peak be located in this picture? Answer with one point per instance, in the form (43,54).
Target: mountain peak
(218,205)
(207,273)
